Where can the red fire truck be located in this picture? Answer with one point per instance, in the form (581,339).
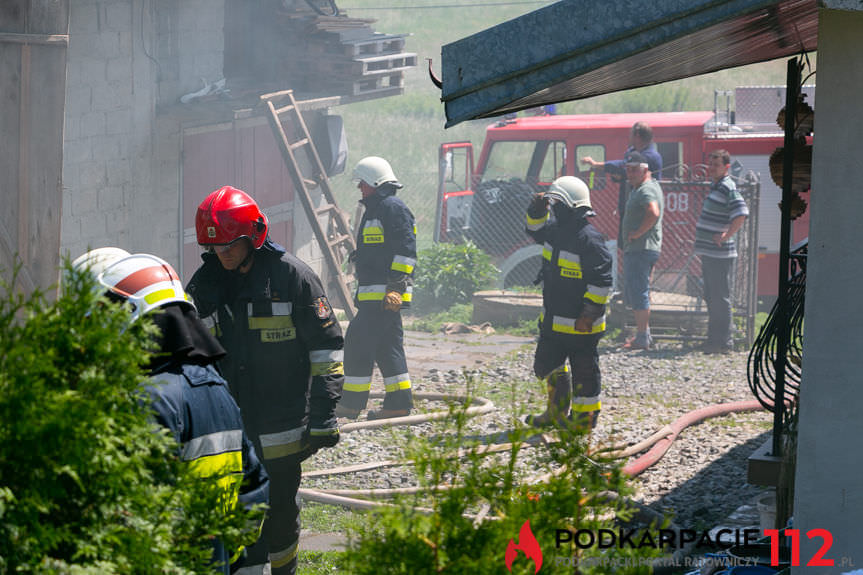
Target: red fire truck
(484,201)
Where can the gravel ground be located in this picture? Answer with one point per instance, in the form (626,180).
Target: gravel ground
(702,477)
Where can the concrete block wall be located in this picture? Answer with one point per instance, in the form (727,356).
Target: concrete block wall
(121,167)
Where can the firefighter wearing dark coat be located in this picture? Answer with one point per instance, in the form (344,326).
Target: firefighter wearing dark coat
(285,356)
(187,394)
(384,262)
(577,284)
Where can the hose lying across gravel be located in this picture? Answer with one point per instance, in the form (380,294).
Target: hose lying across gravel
(658,443)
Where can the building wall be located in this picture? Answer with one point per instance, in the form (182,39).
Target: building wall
(130,61)
(829,490)
(127,60)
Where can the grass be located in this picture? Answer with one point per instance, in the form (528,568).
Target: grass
(320,518)
(318,563)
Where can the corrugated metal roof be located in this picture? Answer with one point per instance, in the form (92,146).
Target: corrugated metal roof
(576,49)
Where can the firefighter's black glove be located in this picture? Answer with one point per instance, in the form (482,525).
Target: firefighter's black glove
(538,205)
(319,439)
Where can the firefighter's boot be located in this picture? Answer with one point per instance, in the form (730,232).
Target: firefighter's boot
(559,386)
(583,420)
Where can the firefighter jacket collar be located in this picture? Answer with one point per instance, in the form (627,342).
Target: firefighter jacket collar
(383,191)
(183,338)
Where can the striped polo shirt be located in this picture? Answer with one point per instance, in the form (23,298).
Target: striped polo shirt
(721,206)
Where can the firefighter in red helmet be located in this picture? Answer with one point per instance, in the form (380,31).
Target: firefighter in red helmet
(285,356)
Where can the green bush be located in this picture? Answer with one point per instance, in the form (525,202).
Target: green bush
(449,274)
(467,528)
(87,483)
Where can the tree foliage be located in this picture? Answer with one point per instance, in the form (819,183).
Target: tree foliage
(88,483)
(449,274)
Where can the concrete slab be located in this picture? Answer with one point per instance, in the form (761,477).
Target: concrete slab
(322,541)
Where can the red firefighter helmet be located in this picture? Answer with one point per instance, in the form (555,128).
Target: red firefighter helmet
(227,215)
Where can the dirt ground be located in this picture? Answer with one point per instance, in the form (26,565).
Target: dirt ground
(436,351)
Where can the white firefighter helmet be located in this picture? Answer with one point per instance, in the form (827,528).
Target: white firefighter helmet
(144,281)
(375,171)
(570,190)
(95,261)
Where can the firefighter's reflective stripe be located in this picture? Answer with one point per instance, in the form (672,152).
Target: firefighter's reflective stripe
(327,361)
(547,251)
(284,556)
(596,294)
(373,232)
(279,308)
(168,293)
(277,327)
(567,325)
(570,264)
(213,443)
(377,292)
(282,443)
(374,292)
(357,384)
(583,404)
(397,382)
(218,455)
(403,264)
(535,224)
(323,431)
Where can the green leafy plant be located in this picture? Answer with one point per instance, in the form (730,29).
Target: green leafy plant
(88,484)
(474,505)
(449,274)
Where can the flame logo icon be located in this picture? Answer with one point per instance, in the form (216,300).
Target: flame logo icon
(526,543)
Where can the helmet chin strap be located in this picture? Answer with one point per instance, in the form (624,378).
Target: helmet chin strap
(247,261)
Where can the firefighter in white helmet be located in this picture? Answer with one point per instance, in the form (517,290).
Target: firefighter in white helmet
(187,394)
(384,260)
(577,284)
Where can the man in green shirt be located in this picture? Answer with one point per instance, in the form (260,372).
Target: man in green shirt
(642,241)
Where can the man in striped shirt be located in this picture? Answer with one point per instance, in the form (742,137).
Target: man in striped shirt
(722,215)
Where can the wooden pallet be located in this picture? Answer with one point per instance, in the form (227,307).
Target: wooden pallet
(376,44)
(387,63)
(370,85)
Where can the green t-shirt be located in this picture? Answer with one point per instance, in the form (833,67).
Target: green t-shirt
(636,206)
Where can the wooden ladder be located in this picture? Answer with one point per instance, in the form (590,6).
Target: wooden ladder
(335,237)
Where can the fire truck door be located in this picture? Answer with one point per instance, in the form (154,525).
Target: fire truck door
(455,176)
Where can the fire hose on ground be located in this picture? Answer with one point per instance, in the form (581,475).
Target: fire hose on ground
(656,445)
